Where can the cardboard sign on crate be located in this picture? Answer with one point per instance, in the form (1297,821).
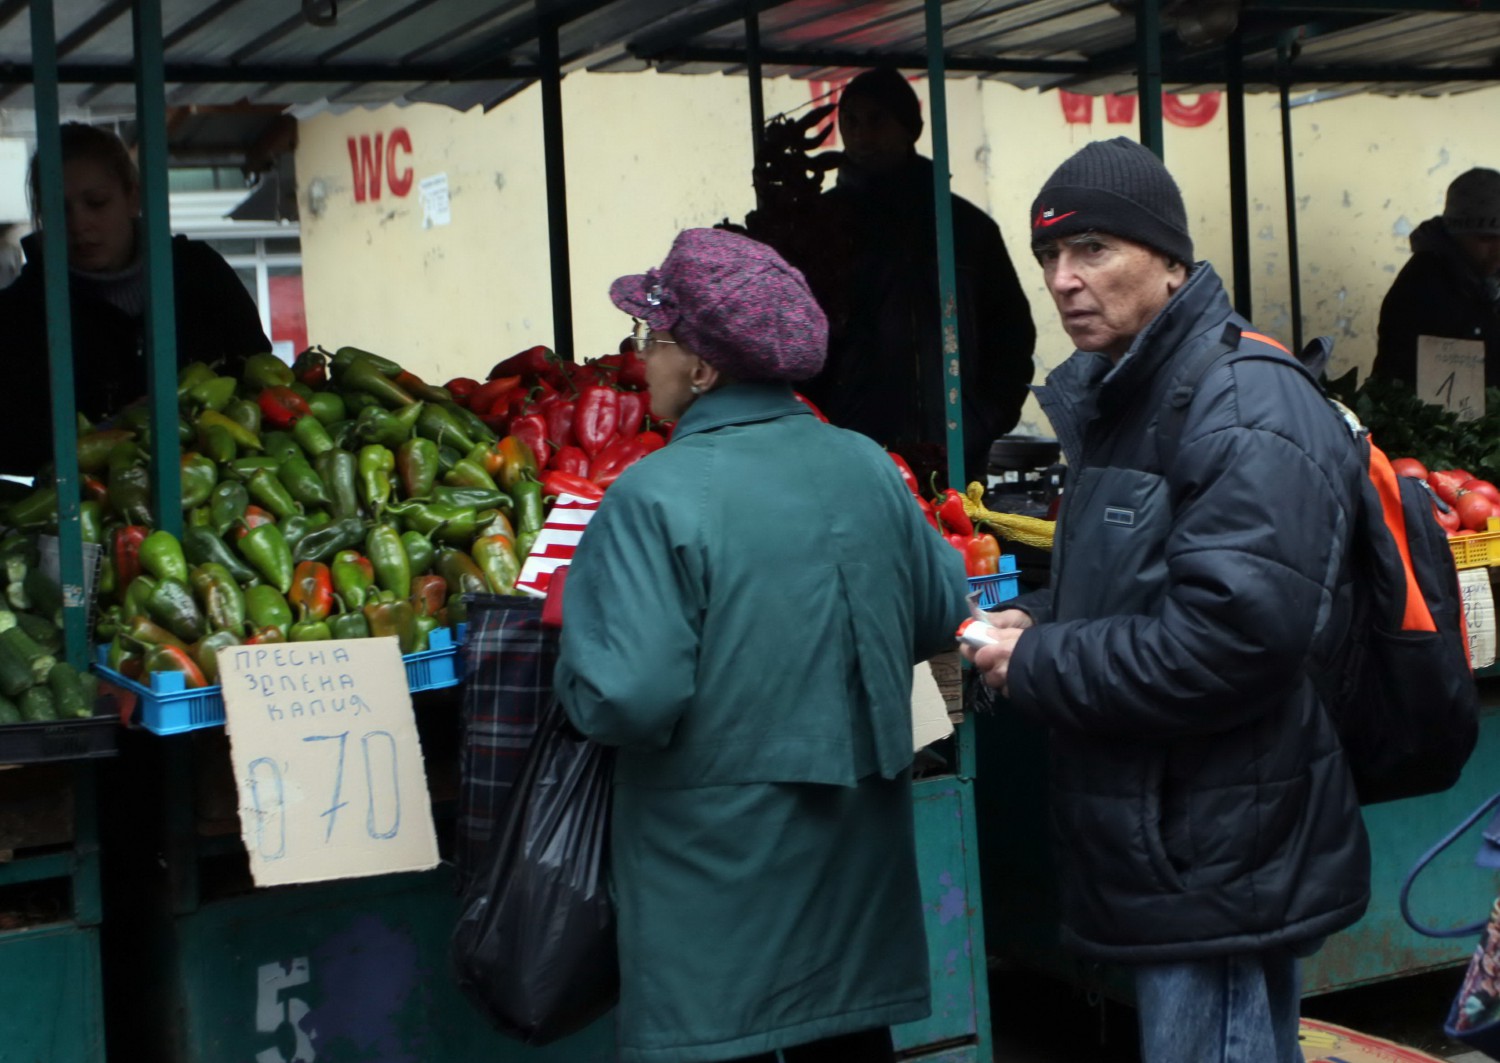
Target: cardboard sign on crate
(327,760)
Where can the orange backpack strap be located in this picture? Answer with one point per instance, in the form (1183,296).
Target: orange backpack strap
(1417,616)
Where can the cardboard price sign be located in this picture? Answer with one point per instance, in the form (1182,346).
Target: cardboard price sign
(327,760)
(1450,374)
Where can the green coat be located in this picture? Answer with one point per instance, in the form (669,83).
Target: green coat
(743,616)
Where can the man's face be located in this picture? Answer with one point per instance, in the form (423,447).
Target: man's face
(1482,250)
(1107,289)
(873,138)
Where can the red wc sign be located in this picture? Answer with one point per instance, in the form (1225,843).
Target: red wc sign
(372,159)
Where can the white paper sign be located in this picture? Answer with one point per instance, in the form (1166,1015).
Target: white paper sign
(434,193)
(929,712)
(326,760)
(1450,374)
(1479,615)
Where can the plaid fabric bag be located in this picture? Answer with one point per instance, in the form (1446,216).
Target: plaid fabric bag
(508,663)
(1474,1017)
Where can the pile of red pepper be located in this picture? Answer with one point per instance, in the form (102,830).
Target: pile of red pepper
(585,423)
(946,514)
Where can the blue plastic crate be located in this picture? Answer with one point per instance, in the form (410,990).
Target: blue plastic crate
(995,589)
(167,708)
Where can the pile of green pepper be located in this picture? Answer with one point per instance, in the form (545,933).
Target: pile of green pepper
(340,497)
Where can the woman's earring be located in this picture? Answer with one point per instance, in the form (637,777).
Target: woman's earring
(695,389)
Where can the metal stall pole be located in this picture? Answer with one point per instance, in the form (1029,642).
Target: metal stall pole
(943,214)
(757,90)
(1239,185)
(59,330)
(557,190)
(1148,74)
(1289,180)
(156,231)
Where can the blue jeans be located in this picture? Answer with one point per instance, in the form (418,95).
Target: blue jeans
(1228,1009)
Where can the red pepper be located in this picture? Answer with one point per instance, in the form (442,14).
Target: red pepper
(126,545)
(632,370)
(559,416)
(950,508)
(930,514)
(266,634)
(428,594)
(312,591)
(558,482)
(94,489)
(982,555)
(810,405)
(959,542)
(311,368)
(461,388)
(614,460)
(909,477)
(282,407)
(254,517)
(582,376)
(632,412)
(570,460)
(486,396)
(531,429)
(652,441)
(598,418)
(537,361)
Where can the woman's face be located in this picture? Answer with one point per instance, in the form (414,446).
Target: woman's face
(669,375)
(101,215)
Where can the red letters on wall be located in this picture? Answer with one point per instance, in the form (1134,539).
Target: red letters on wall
(367,160)
(1078,109)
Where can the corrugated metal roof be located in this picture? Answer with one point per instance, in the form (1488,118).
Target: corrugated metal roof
(466,53)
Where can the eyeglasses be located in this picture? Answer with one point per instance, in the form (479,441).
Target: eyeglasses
(643,339)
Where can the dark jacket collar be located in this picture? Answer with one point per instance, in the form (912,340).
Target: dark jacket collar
(738,404)
(1199,305)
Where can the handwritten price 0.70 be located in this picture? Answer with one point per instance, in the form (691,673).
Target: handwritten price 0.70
(270,839)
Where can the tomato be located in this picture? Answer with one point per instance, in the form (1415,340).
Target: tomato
(1474,509)
(1444,483)
(1483,487)
(1448,520)
(1409,467)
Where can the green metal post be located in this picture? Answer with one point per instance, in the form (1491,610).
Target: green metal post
(1289,177)
(1148,74)
(1239,185)
(59,331)
(156,231)
(942,196)
(557,190)
(88,909)
(752,70)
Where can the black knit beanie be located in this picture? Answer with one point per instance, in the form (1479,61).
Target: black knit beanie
(1116,187)
(890,90)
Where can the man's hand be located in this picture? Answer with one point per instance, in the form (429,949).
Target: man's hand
(993,662)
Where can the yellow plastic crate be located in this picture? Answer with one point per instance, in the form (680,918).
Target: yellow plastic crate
(1476,551)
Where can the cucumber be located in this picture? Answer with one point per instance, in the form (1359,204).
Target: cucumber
(43,632)
(67,692)
(45,595)
(15,670)
(37,659)
(7,619)
(37,705)
(8,712)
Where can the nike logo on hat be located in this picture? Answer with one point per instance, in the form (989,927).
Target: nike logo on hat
(1046,217)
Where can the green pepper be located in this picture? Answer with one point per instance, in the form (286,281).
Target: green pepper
(350,626)
(37,509)
(442,427)
(529,515)
(395,618)
(447,458)
(294,529)
(419,551)
(344,357)
(459,569)
(340,470)
(110,621)
(161,555)
(198,517)
(361,374)
(215,393)
(301,480)
(496,557)
(244,468)
(91,521)
(244,438)
(190,376)
(202,547)
(328,407)
(282,445)
(119,656)
(129,485)
(265,370)
(477,497)
(376,463)
(417,464)
(246,414)
(136,596)
(218,444)
(172,605)
(451,524)
(206,652)
(458,609)
(265,548)
(422,628)
(269,491)
(199,476)
(323,543)
(310,631)
(176,659)
(356,402)
(377,425)
(267,607)
(517,462)
(227,505)
(94,448)
(469,421)
(467,473)
(353,576)
(388,557)
(141,631)
(220,595)
(303,389)
(311,436)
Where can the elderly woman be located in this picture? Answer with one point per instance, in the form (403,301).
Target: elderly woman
(743,616)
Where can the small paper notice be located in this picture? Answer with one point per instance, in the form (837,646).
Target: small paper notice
(1479,615)
(434,193)
(929,711)
(1450,374)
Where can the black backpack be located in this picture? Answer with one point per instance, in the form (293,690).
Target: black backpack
(1399,688)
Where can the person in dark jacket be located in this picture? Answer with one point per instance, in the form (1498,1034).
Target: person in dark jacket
(870,254)
(217,321)
(762,853)
(1208,832)
(1450,287)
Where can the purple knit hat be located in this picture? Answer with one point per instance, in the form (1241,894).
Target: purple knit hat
(734,302)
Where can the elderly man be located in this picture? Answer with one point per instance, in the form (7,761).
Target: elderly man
(1208,832)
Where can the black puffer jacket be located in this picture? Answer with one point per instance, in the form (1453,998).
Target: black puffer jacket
(217,323)
(1200,799)
(1437,293)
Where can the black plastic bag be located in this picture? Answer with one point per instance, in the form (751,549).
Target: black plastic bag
(534,949)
